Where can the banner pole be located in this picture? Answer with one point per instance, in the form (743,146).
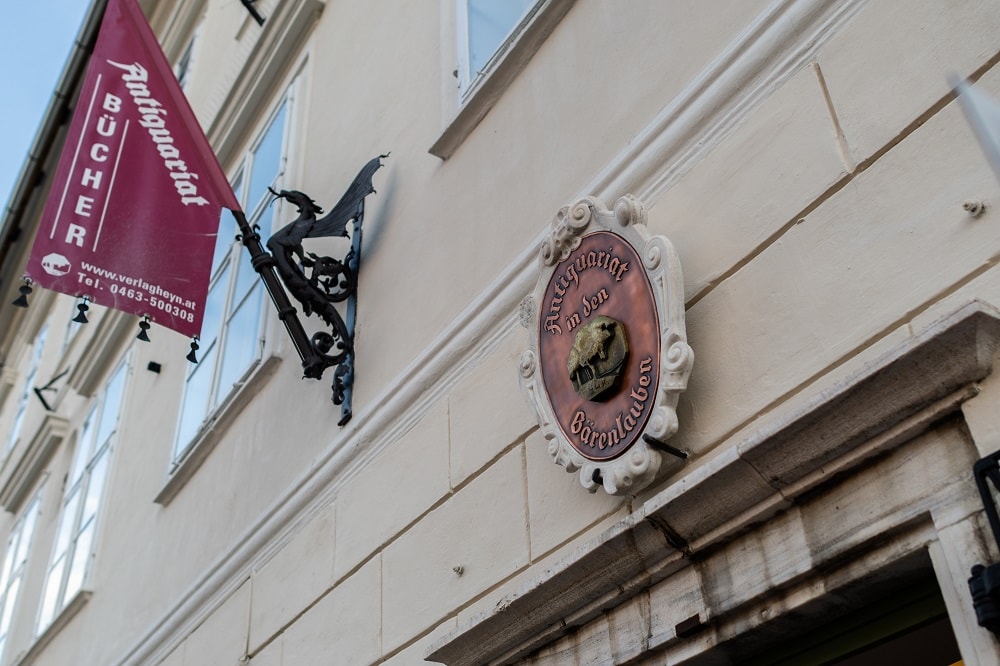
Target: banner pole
(262,262)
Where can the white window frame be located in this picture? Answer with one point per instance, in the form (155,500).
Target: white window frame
(467,78)
(15,561)
(83,496)
(182,70)
(186,437)
(29,379)
(468,96)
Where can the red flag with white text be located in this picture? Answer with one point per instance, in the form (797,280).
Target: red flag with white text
(134,208)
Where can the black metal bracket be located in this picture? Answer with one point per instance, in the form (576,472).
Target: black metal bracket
(984,584)
(253,11)
(316,282)
(49,387)
(666,448)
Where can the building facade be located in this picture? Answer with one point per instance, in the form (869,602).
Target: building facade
(835,220)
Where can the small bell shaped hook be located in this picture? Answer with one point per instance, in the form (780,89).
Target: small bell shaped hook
(81,316)
(143,327)
(25,289)
(194,347)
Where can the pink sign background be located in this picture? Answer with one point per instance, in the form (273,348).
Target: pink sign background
(134,208)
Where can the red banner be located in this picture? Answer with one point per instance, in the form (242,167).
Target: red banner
(134,208)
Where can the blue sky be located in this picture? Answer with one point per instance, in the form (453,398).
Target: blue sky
(35,40)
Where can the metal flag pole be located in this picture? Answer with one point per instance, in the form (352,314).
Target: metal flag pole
(263,263)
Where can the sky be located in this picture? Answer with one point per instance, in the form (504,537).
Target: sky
(35,40)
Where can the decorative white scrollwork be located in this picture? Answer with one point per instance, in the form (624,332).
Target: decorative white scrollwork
(529,364)
(652,255)
(567,228)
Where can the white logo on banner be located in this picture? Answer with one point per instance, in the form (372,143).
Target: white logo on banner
(56,264)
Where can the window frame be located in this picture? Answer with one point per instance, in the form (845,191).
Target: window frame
(83,502)
(185,62)
(467,79)
(465,106)
(187,436)
(34,364)
(12,571)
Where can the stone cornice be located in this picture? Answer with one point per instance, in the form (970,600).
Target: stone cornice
(879,407)
(780,42)
(29,459)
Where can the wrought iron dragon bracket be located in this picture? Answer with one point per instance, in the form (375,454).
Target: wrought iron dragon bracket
(317,282)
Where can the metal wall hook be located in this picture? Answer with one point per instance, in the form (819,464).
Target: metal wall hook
(194,348)
(25,289)
(81,316)
(143,329)
(984,584)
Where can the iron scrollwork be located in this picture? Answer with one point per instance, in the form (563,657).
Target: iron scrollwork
(317,282)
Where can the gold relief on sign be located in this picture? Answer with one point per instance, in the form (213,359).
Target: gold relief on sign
(597,358)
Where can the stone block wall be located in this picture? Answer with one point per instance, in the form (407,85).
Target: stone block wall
(819,223)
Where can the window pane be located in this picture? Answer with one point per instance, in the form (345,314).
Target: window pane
(246,276)
(18,422)
(215,305)
(490,22)
(8,606)
(81,556)
(266,162)
(27,529)
(183,67)
(238,191)
(224,241)
(94,487)
(36,356)
(241,342)
(29,381)
(111,405)
(196,398)
(51,596)
(8,559)
(67,524)
(83,447)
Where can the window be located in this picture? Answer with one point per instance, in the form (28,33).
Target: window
(74,544)
(496,40)
(183,67)
(230,335)
(29,381)
(484,27)
(72,326)
(14,561)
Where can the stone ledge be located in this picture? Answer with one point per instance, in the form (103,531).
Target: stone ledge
(215,426)
(653,542)
(29,462)
(63,618)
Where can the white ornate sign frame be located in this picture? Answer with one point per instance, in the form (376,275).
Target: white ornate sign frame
(638,465)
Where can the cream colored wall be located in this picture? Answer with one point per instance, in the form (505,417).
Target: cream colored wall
(816,209)
(882,237)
